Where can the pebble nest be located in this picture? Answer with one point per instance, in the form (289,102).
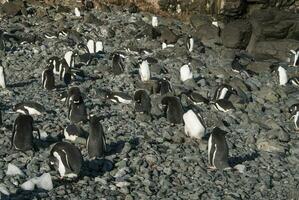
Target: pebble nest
(148,159)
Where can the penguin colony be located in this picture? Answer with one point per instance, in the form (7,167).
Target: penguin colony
(66,157)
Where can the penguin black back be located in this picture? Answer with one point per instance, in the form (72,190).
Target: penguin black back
(218,149)
(77,112)
(48,79)
(174,109)
(96,142)
(142,102)
(22,133)
(118,65)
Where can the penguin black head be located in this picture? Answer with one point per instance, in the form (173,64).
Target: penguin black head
(293,109)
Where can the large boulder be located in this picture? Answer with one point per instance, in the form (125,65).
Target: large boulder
(208,34)
(236,34)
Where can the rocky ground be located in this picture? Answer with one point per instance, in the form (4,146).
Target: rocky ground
(149,159)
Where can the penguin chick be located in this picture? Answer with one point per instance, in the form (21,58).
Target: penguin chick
(194,124)
(142,102)
(22,133)
(96,142)
(173,109)
(218,150)
(67,159)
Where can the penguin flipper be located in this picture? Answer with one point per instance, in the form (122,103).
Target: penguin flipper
(13,135)
(38,132)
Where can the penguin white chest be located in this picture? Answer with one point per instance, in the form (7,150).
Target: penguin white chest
(154,21)
(32,111)
(193,126)
(283,77)
(2,78)
(191,44)
(186,73)
(144,71)
(61,167)
(223,93)
(296,119)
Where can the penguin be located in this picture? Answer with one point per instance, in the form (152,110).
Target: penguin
(2,77)
(223,105)
(295,54)
(72,132)
(67,158)
(77,111)
(237,66)
(67,76)
(96,142)
(282,73)
(22,133)
(118,65)
(194,124)
(55,63)
(73,95)
(294,81)
(294,110)
(165,45)
(77,12)
(195,98)
(185,73)
(29,107)
(218,150)
(142,102)
(69,58)
(190,43)
(154,21)
(164,87)
(48,79)
(173,108)
(224,91)
(118,97)
(144,71)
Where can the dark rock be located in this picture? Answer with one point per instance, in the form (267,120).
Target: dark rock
(231,7)
(259,66)
(13,8)
(167,35)
(197,20)
(236,34)
(208,34)
(133,8)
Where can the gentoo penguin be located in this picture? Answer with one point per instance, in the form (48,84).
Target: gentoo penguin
(282,73)
(294,81)
(223,105)
(48,79)
(186,73)
(29,107)
(67,159)
(154,21)
(117,97)
(73,95)
(77,12)
(237,66)
(96,142)
(190,43)
(195,98)
(218,150)
(69,58)
(2,77)
(72,132)
(144,71)
(224,91)
(194,124)
(173,108)
(77,111)
(165,87)
(118,65)
(295,56)
(142,102)
(22,133)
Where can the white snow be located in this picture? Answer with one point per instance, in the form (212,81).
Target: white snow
(42,182)
(13,170)
(240,168)
(186,73)
(154,21)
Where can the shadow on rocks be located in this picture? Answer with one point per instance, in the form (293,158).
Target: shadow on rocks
(115,147)
(240,159)
(22,84)
(96,167)
(25,195)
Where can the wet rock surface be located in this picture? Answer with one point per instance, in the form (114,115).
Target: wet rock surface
(148,158)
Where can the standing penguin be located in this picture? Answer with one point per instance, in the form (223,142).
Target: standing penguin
(194,124)
(22,133)
(218,150)
(55,63)
(294,110)
(142,102)
(48,79)
(282,73)
(190,43)
(73,95)
(77,111)
(96,142)
(173,108)
(185,73)
(165,87)
(118,65)
(295,55)
(2,77)
(144,71)
(67,158)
